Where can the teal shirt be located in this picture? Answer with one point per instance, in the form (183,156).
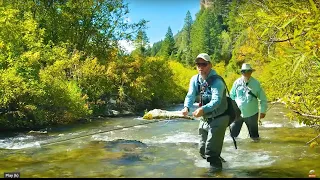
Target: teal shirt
(247,103)
(217,101)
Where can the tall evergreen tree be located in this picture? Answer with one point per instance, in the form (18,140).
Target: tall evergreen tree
(167,47)
(186,39)
(141,42)
(205,34)
(156,48)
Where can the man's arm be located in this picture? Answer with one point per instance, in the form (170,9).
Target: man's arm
(191,95)
(233,90)
(263,100)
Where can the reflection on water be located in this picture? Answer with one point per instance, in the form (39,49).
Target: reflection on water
(161,149)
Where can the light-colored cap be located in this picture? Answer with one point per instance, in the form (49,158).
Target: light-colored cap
(246,66)
(204,56)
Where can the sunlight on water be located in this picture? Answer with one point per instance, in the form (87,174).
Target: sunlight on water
(20,145)
(269,124)
(297,124)
(176,138)
(141,126)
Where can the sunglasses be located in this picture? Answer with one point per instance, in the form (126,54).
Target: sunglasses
(245,71)
(202,64)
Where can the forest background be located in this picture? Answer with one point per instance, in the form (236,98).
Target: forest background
(60,60)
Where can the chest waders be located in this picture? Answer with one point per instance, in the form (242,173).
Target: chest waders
(201,89)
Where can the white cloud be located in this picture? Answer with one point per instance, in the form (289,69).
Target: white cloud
(126,45)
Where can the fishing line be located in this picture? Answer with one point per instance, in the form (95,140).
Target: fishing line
(100,132)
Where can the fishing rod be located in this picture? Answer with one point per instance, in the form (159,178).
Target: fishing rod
(260,123)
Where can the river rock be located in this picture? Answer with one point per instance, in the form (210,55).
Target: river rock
(133,150)
(125,145)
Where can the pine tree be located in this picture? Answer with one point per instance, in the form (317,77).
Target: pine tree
(141,42)
(167,47)
(156,48)
(186,49)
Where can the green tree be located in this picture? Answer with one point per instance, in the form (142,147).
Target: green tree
(91,26)
(205,35)
(141,43)
(186,40)
(281,37)
(156,48)
(168,45)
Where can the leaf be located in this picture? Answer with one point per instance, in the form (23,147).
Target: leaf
(293,2)
(298,63)
(291,50)
(315,55)
(288,22)
(313,6)
(264,31)
(297,32)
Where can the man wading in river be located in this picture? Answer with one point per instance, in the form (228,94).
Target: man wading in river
(213,122)
(246,91)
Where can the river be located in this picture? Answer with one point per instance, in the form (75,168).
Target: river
(159,149)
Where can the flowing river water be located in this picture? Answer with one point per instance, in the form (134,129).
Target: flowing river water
(163,149)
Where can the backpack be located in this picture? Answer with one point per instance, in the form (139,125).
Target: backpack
(233,110)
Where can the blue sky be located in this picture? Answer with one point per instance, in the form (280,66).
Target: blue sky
(161,14)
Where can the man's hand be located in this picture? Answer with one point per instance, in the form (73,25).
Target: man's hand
(262,115)
(198,112)
(185,111)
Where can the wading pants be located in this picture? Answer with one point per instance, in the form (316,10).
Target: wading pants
(211,137)
(252,125)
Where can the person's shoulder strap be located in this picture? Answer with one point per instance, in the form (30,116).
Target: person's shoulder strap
(211,78)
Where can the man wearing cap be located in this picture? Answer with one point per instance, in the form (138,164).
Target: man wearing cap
(211,127)
(246,91)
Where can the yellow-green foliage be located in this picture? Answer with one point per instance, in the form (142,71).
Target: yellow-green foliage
(181,74)
(231,77)
(145,81)
(95,79)
(35,86)
(48,77)
(220,68)
(284,48)
(181,77)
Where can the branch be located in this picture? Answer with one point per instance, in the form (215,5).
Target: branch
(303,33)
(313,139)
(306,115)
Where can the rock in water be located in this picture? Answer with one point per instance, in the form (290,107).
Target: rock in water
(163,114)
(37,133)
(134,151)
(125,145)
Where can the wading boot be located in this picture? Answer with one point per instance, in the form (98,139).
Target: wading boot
(203,156)
(215,164)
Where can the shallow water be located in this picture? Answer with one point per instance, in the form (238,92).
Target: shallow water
(159,149)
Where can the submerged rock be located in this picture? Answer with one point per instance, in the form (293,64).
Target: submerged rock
(133,150)
(125,145)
